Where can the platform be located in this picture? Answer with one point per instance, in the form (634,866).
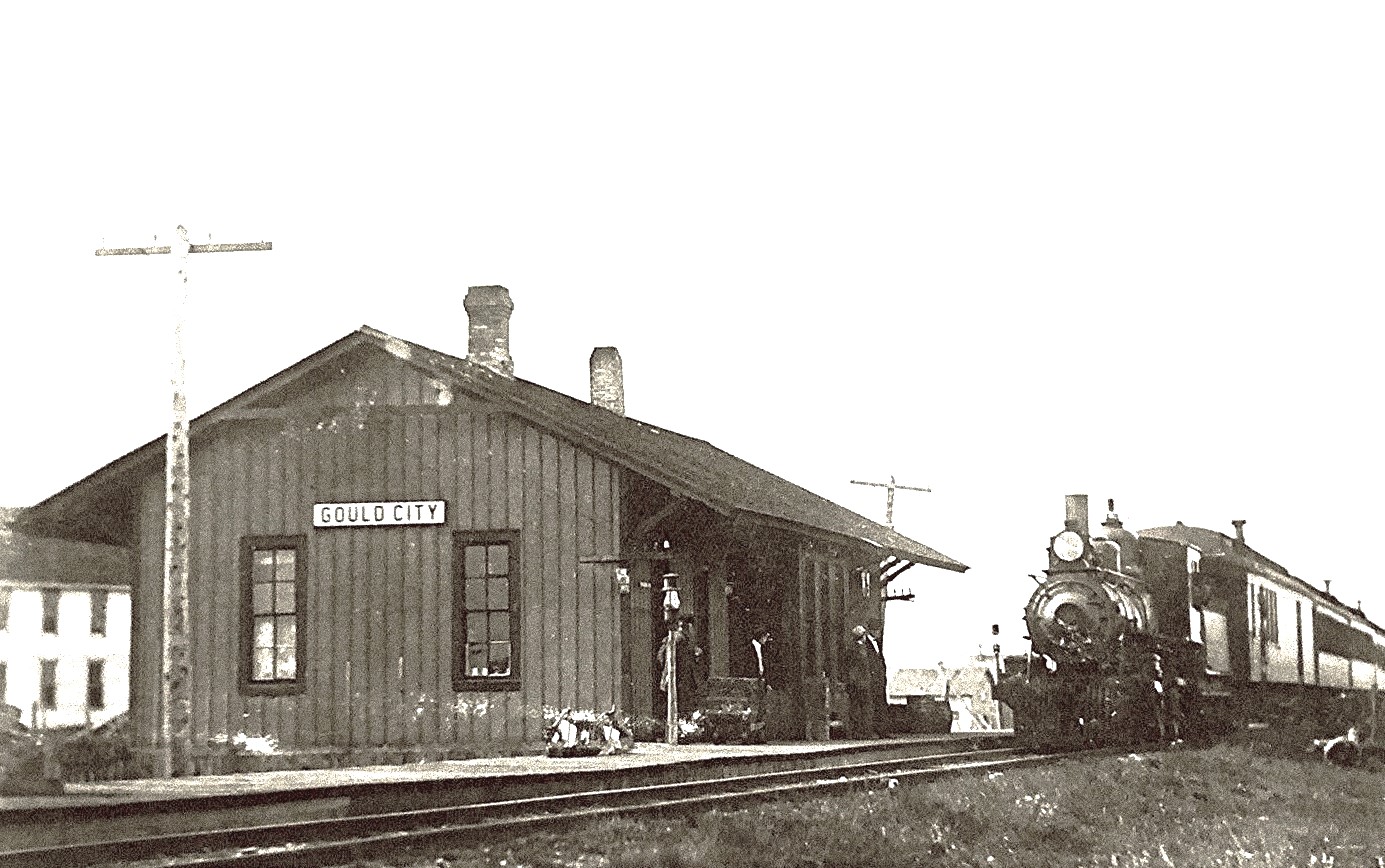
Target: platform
(108,810)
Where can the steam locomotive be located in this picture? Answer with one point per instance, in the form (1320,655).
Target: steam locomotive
(1182,632)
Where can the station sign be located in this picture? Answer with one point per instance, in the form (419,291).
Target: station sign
(380,513)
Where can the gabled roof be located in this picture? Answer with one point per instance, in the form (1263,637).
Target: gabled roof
(687,466)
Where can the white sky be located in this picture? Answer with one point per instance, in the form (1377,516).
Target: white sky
(1007,251)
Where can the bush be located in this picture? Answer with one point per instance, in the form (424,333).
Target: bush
(94,756)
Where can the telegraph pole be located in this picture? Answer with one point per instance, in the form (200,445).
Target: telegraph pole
(175,704)
(889,496)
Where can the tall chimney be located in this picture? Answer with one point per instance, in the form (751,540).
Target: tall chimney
(608,380)
(1077,514)
(488,312)
(1240,525)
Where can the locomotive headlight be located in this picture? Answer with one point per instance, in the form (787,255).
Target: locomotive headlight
(1068,546)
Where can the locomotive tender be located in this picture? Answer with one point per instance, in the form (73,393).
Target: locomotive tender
(1181,631)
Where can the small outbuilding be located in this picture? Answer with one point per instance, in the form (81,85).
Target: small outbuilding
(396,552)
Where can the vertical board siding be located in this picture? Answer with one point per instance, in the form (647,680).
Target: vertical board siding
(378,596)
(550,599)
(533,632)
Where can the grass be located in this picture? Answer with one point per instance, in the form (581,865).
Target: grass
(1225,806)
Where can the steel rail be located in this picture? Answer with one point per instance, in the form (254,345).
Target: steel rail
(342,840)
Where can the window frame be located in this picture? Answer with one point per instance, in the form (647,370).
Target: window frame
(286,686)
(461,681)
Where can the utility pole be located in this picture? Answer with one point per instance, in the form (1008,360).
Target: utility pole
(889,496)
(174,756)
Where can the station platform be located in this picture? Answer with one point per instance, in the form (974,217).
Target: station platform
(109,810)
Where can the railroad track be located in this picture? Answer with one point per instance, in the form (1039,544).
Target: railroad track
(344,840)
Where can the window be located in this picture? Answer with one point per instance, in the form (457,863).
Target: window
(98,613)
(273,640)
(96,684)
(50,611)
(4,608)
(1268,602)
(485,630)
(48,684)
(4,682)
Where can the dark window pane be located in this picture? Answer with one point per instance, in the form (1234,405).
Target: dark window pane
(500,625)
(498,557)
(96,684)
(50,611)
(262,599)
(475,593)
(500,658)
(476,627)
(499,593)
(263,566)
(98,613)
(475,561)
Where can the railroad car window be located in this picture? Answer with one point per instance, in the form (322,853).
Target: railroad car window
(273,617)
(1268,603)
(486,610)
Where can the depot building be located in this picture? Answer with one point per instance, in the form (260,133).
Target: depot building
(396,552)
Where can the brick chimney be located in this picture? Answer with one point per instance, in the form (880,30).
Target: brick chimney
(488,310)
(1240,525)
(608,380)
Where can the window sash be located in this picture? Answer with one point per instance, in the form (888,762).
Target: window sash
(273,614)
(485,629)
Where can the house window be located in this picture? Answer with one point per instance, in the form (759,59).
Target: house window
(96,684)
(4,682)
(50,611)
(485,630)
(48,684)
(4,608)
(98,613)
(273,639)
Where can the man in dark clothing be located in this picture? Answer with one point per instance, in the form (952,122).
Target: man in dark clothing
(865,684)
(752,659)
(686,654)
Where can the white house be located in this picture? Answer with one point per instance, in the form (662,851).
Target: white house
(64,629)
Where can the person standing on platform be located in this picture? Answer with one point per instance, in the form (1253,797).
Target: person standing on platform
(864,683)
(752,659)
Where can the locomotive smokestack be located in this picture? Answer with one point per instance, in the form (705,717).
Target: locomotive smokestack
(1240,525)
(1077,514)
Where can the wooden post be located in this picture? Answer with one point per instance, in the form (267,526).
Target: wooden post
(174,757)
